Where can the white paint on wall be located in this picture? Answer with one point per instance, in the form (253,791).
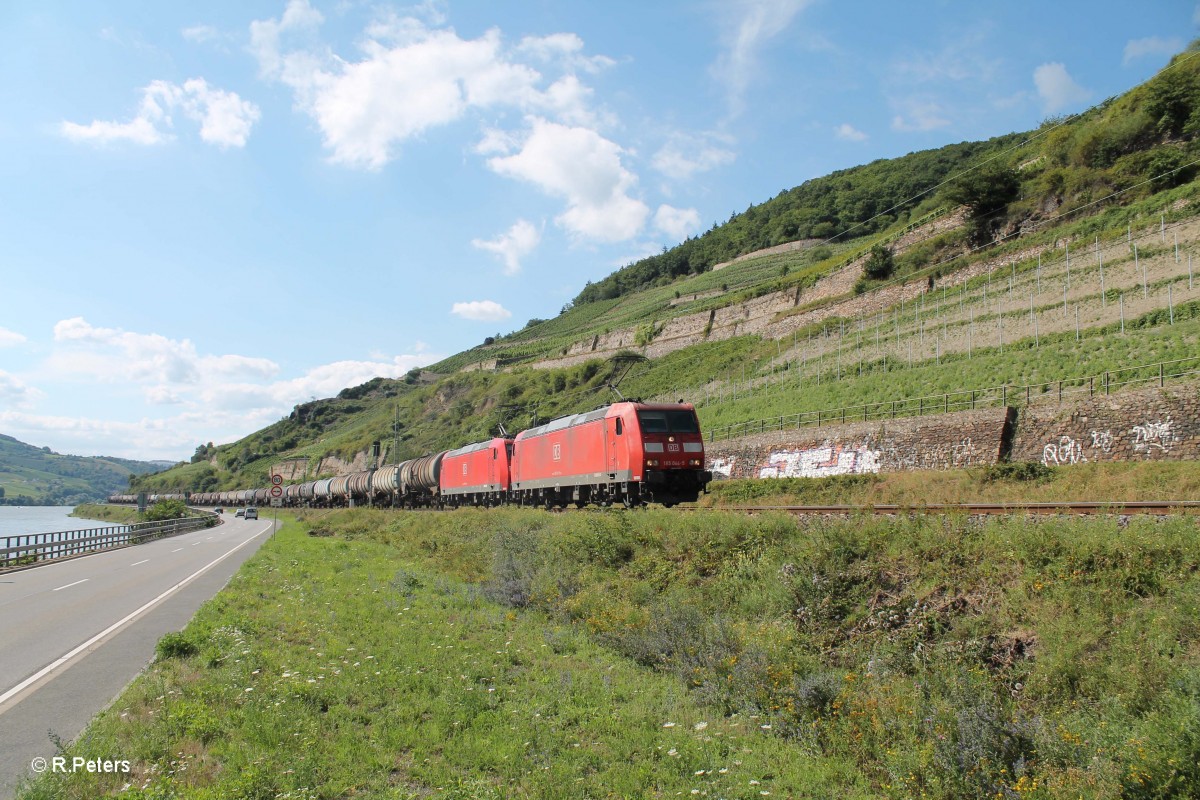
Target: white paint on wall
(820,462)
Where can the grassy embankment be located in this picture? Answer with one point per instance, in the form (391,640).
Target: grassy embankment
(122,515)
(519,653)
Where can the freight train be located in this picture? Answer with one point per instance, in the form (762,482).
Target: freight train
(629,453)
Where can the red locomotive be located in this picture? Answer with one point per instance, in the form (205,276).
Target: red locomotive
(628,453)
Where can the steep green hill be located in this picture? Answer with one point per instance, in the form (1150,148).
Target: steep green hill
(38,476)
(1107,181)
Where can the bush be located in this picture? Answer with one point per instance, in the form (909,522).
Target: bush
(175,645)
(166,509)
(1016,471)
(880,264)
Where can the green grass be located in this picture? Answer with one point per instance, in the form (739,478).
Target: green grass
(120,514)
(332,668)
(519,653)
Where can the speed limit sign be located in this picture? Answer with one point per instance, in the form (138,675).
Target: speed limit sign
(276,480)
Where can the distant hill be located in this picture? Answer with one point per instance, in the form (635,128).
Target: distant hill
(38,476)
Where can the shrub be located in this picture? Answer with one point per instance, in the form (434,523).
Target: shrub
(175,645)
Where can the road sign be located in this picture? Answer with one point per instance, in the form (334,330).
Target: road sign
(276,480)
(276,502)
(276,491)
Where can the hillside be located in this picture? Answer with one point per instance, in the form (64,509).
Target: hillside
(38,476)
(970,266)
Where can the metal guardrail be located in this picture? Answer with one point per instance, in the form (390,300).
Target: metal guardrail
(33,548)
(969,399)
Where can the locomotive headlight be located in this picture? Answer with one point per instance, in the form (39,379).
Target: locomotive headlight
(695,462)
(670,438)
(651,462)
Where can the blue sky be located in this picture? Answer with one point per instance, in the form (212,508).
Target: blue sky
(210,212)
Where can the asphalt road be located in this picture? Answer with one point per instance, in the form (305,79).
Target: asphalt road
(73,634)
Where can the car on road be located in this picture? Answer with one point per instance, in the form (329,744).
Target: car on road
(252,513)
(218,510)
(241,512)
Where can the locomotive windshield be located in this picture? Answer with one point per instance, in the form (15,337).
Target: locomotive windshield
(668,422)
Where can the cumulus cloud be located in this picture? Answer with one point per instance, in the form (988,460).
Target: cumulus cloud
(413,77)
(849,133)
(747,26)
(585,169)
(10,338)
(517,242)
(677,223)
(16,393)
(685,155)
(1151,46)
(225,118)
(1057,89)
(481,310)
(216,397)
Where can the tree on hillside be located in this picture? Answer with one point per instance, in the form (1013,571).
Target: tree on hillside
(880,263)
(986,192)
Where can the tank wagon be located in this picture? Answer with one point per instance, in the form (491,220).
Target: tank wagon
(628,453)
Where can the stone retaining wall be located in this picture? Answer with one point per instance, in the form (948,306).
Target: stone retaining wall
(1153,424)
(945,441)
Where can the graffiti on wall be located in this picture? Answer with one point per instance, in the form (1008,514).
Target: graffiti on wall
(820,462)
(964,453)
(722,466)
(1065,451)
(1102,441)
(1153,436)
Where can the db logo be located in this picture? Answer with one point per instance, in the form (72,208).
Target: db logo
(673,448)
(557,452)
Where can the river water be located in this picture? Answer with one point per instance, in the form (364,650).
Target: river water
(16,520)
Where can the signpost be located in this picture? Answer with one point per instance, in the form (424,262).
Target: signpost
(276,499)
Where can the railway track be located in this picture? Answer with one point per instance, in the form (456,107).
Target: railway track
(1121,508)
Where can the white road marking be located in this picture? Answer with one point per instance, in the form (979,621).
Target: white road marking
(177,549)
(69,585)
(143,561)
(63,659)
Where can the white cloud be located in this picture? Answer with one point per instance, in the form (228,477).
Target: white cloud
(519,241)
(747,26)
(919,114)
(1151,46)
(200,33)
(849,133)
(685,155)
(10,338)
(162,396)
(1057,89)
(15,392)
(412,78)
(217,397)
(481,310)
(677,223)
(584,168)
(225,119)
